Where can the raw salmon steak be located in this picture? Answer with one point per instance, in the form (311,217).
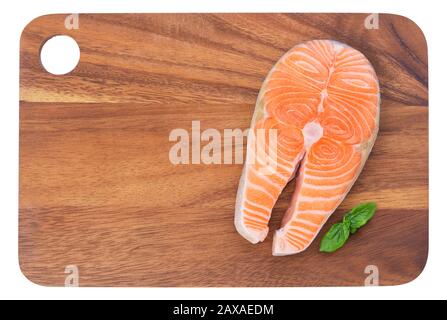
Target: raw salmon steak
(316,119)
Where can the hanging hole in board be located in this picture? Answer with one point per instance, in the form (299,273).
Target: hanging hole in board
(60,55)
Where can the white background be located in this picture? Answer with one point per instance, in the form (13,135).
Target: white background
(430,15)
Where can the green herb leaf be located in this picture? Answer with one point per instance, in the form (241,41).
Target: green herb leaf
(335,238)
(360,215)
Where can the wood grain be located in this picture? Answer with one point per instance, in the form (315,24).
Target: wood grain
(97,189)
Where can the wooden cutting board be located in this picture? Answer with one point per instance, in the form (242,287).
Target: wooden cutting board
(97,189)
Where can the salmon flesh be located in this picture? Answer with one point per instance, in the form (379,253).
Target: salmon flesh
(316,119)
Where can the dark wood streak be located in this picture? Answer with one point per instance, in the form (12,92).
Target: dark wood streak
(157,79)
(390,92)
(409,69)
(179,64)
(181,36)
(419,60)
(228,27)
(423,81)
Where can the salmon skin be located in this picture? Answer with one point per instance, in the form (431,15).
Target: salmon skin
(316,119)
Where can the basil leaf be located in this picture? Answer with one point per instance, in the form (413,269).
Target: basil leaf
(335,238)
(360,215)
